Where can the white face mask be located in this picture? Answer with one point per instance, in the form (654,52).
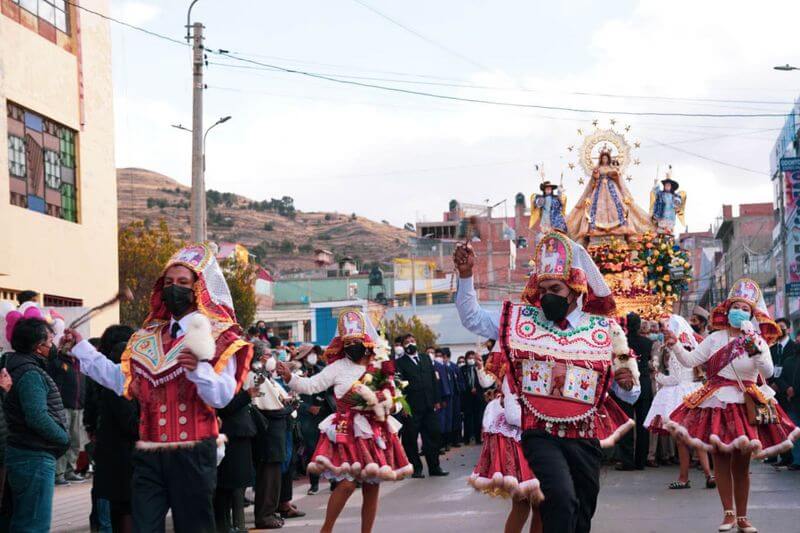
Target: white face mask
(269,364)
(461,363)
(438,359)
(471,362)
(398,350)
(311,359)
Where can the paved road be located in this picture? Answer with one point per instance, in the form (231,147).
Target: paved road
(630,502)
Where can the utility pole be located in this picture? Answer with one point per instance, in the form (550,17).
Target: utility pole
(413,281)
(490,252)
(198,208)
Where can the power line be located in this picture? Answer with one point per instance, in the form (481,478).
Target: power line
(128,25)
(706,158)
(423,37)
(498,102)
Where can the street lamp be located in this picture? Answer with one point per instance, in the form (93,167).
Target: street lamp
(786,67)
(217,123)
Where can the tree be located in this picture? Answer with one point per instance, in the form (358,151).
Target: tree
(143,252)
(401,325)
(241,278)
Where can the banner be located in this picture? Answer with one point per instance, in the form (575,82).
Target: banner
(791,180)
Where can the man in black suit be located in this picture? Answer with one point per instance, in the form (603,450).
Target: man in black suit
(781,351)
(634,453)
(472,401)
(789,385)
(424,399)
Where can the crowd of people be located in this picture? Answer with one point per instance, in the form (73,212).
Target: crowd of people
(193,415)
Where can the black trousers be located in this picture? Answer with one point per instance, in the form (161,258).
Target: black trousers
(229,509)
(634,446)
(426,423)
(181,479)
(472,405)
(268,491)
(569,473)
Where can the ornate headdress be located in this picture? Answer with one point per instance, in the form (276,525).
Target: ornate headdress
(211,291)
(558,257)
(747,291)
(352,326)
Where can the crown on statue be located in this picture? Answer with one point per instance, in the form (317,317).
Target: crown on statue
(605,150)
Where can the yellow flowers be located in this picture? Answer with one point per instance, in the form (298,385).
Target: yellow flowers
(367,379)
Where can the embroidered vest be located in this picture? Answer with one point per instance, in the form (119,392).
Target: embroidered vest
(560,376)
(171,411)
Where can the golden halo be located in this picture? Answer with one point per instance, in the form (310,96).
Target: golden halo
(600,139)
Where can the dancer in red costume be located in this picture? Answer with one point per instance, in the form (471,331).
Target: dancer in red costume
(720,416)
(557,356)
(358,443)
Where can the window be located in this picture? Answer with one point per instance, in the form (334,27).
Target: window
(52,169)
(51,11)
(16,156)
(51,300)
(42,164)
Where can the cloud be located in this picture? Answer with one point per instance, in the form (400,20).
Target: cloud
(136,13)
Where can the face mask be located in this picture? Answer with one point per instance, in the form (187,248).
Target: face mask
(177,299)
(737,316)
(270,364)
(355,352)
(554,307)
(398,350)
(411,349)
(695,327)
(438,360)
(311,359)
(262,329)
(471,362)
(656,337)
(282,355)
(461,363)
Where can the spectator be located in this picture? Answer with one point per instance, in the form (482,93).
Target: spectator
(263,332)
(445,382)
(26,296)
(789,385)
(472,401)
(116,433)
(699,321)
(252,334)
(453,434)
(5,386)
(269,448)
(37,426)
(423,397)
(235,472)
(67,376)
(634,448)
(313,409)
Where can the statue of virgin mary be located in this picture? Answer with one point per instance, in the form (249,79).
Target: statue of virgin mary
(606,207)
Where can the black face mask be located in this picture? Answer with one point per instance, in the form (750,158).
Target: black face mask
(177,299)
(355,352)
(695,327)
(554,307)
(411,349)
(262,330)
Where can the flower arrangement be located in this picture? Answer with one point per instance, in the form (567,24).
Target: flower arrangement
(380,390)
(668,267)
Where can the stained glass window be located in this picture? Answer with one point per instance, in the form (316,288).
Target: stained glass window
(42,164)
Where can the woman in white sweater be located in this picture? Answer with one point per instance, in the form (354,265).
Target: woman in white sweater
(715,417)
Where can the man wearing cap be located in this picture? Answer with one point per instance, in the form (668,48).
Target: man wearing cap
(699,322)
(548,208)
(555,360)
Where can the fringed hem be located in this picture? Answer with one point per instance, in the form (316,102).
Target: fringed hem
(150,446)
(507,487)
(742,443)
(618,433)
(372,471)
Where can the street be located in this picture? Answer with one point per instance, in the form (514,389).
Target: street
(634,502)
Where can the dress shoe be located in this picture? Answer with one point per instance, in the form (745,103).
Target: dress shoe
(625,468)
(438,472)
(455,445)
(652,464)
(418,475)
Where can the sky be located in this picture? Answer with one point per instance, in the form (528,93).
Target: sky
(401,157)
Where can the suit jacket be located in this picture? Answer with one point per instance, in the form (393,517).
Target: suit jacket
(422,390)
(780,353)
(790,377)
(469,374)
(456,378)
(643,348)
(781,356)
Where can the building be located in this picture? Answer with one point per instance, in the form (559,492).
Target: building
(503,245)
(785,173)
(703,249)
(58,193)
(746,246)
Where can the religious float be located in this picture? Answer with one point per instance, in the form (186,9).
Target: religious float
(635,249)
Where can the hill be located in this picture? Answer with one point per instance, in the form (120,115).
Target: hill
(283,237)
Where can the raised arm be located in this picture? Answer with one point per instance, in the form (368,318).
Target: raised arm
(696,357)
(473,317)
(304,385)
(98,367)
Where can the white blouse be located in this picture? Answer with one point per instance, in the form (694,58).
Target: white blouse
(747,368)
(340,374)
